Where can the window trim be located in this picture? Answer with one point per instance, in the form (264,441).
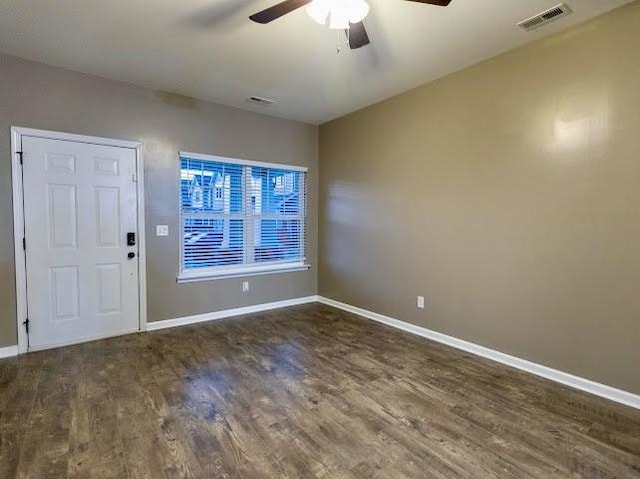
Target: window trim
(243,271)
(246,269)
(237,161)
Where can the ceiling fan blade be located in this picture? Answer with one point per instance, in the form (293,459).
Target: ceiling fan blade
(357,35)
(441,3)
(278,10)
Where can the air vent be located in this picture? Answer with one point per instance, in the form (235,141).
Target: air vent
(542,18)
(258,100)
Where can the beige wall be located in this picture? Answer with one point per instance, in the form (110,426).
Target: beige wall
(509,195)
(37,96)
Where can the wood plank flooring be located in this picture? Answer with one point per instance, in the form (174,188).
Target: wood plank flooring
(303,392)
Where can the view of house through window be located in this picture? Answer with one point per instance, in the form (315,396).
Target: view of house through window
(236,214)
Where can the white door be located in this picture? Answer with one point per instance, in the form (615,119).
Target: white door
(80,204)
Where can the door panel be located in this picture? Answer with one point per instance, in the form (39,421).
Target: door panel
(62,216)
(109,288)
(65,293)
(106,166)
(107,200)
(80,201)
(61,163)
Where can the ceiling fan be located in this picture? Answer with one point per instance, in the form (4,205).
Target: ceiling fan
(341,14)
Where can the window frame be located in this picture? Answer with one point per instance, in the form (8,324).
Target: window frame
(186,275)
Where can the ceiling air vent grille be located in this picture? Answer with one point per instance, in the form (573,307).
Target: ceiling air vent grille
(542,18)
(258,100)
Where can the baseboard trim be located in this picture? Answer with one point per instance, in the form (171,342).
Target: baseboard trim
(8,352)
(592,387)
(228,313)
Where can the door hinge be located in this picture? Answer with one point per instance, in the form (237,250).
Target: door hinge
(26,325)
(24,243)
(20,154)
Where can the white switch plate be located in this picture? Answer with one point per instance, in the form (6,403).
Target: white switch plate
(245,286)
(421,302)
(162,230)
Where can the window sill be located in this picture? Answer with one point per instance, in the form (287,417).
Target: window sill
(241,272)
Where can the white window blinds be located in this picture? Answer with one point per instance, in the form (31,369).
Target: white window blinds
(240,216)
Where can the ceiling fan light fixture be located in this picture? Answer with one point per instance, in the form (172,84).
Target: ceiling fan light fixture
(319,11)
(358,10)
(339,17)
(339,12)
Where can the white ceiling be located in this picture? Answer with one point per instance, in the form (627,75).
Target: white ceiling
(208,49)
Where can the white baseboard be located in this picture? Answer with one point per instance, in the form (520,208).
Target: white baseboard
(614,394)
(8,352)
(227,313)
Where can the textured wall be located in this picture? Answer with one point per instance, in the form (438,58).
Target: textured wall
(37,96)
(509,195)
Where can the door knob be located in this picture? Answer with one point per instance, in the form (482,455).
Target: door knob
(131,255)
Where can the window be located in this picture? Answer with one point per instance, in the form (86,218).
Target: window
(240,217)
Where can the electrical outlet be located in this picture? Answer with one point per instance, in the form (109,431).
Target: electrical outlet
(162,230)
(421,302)
(245,286)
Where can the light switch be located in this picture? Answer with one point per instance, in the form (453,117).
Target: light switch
(162,230)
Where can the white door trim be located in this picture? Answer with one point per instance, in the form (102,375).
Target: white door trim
(18,219)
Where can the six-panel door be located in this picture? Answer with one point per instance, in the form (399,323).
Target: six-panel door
(80,201)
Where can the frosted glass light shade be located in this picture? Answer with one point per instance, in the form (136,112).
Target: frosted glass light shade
(339,12)
(319,11)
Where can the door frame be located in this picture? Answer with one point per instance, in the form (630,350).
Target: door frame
(18,219)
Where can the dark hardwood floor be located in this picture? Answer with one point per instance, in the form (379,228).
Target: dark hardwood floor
(307,392)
